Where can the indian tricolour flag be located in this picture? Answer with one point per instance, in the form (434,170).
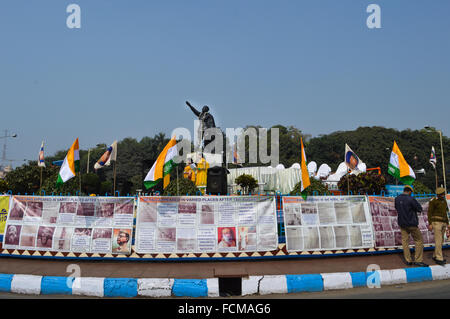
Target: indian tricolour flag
(71,164)
(163,166)
(305,175)
(399,168)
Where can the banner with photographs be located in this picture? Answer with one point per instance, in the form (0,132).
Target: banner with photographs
(385,222)
(4,208)
(197,224)
(70,224)
(327,223)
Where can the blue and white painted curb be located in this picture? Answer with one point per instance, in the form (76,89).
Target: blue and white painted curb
(252,285)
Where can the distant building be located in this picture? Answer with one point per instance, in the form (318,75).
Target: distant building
(5,170)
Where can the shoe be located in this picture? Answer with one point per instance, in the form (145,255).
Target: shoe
(439,261)
(421,264)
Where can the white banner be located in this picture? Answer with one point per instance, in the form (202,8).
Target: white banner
(199,224)
(385,222)
(70,224)
(327,223)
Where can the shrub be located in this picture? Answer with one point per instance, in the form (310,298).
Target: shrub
(185,187)
(316,188)
(247,182)
(364,183)
(420,188)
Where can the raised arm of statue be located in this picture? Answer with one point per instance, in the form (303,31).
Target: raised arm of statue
(197,113)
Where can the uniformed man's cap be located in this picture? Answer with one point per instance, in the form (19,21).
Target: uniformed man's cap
(408,187)
(440,191)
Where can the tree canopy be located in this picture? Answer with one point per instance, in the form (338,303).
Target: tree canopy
(373,145)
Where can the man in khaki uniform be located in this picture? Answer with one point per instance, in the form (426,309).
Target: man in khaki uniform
(438,223)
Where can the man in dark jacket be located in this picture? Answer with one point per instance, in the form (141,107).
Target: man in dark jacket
(407,208)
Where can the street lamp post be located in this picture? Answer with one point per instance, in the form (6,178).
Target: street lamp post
(442,154)
(4,145)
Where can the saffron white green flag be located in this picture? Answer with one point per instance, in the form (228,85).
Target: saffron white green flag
(163,166)
(305,175)
(399,168)
(71,164)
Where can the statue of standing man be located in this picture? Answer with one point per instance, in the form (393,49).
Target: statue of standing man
(206,122)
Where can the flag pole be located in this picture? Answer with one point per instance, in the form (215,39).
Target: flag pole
(178,192)
(114,170)
(348,183)
(435,175)
(40,181)
(87,169)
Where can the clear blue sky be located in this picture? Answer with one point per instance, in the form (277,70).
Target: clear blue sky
(129,69)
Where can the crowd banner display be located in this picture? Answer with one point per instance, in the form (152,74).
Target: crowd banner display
(327,223)
(70,224)
(385,222)
(206,224)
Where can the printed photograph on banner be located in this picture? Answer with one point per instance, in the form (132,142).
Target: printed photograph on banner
(327,214)
(385,222)
(68,207)
(292,215)
(294,238)
(28,236)
(207,215)
(267,237)
(147,213)
(105,210)
(342,236)
(355,236)
(327,237)
(187,208)
(125,208)
(167,234)
(33,210)
(86,209)
(343,215)
(166,239)
(12,235)
(62,238)
(45,237)
(121,241)
(311,238)
(358,214)
(81,239)
(186,239)
(17,210)
(226,238)
(50,213)
(309,214)
(187,214)
(167,214)
(67,212)
(247,238)
(101,240)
